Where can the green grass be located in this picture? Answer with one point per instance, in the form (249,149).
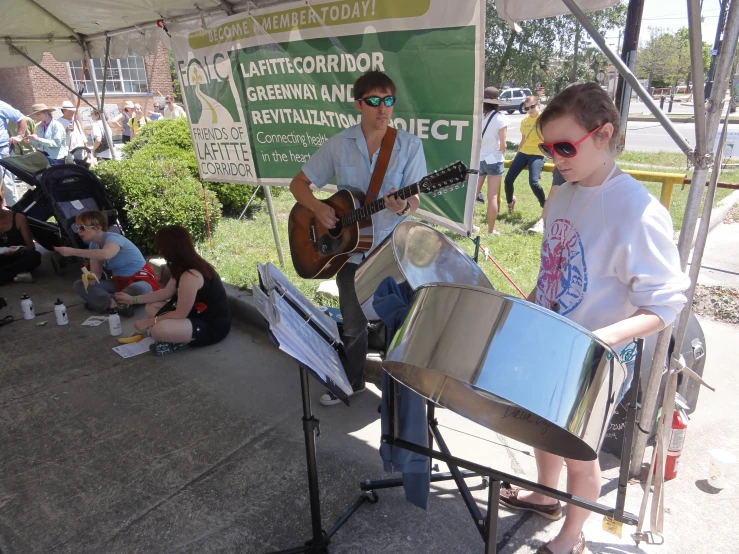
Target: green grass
(239,245)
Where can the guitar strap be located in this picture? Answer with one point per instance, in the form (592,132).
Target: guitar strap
(383,159)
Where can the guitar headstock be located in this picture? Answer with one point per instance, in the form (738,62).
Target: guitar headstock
(444,180)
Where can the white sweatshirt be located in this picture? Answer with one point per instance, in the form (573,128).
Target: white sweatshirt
(618,256)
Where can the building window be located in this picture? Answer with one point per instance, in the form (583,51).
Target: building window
(125,76)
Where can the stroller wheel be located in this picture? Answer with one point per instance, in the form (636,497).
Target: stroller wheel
(55,265)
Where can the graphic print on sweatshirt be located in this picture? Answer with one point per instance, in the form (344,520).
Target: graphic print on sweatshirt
(563,276)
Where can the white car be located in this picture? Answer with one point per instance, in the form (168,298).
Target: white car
(512,99)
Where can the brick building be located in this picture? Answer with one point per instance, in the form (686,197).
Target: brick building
(137,78)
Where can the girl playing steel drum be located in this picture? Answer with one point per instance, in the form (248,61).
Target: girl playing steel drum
(608,263)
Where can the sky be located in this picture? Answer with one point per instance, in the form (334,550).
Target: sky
(672,15)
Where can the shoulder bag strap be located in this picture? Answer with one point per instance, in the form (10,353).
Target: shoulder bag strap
(383,159)
(488,123)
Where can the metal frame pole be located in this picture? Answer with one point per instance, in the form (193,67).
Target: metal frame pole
(101,108)
(273,221)
(706,127)
(18,51)
(628,55)
(629,77)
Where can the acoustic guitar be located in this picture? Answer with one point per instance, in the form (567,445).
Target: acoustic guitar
(319,253)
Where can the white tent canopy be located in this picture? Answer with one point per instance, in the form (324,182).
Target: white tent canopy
(65,27)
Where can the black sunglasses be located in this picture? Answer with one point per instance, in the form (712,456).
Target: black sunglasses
(374,101)
(527,108)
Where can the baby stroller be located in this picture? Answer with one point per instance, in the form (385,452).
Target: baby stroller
(60,192)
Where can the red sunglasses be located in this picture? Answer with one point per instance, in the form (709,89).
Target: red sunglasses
(564,148)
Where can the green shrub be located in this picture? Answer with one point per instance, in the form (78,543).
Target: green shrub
(150,193)
(170,138)
(174,133)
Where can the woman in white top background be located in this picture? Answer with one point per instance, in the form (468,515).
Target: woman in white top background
(492,150)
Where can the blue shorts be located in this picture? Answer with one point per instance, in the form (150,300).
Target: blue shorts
(494,169)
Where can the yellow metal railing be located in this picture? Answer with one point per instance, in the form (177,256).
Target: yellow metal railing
(668,180)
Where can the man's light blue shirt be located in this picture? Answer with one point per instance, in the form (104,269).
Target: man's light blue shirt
(7,112)
(52,139)
(344,161)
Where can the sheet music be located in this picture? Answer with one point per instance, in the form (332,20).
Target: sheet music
(293,330)
(263,303)
(274,278)
(298,339)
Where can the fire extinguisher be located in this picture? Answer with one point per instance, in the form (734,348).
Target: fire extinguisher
(677,440)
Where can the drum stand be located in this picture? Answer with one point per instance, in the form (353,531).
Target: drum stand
(487,523)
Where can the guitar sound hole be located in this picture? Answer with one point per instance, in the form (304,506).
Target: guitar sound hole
(336,231)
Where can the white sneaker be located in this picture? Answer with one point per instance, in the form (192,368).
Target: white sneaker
(330,399)
(493,233)
(538,228)
(475,229)
(24,277)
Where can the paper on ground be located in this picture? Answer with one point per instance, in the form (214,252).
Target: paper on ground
(95,320)
(134,348)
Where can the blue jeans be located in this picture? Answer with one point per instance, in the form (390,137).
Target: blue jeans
(535,164)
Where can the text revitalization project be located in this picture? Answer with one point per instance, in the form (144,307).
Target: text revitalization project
(265,89)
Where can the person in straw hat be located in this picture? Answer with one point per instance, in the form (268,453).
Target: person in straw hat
(492,150)
(122,120)
(50,136)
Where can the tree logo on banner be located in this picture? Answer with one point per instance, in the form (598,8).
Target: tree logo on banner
(207,87)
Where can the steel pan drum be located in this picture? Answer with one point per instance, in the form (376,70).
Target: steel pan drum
(418,254)
(510,366)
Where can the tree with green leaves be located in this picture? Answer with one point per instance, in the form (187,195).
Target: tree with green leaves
(553,50)
(665,57)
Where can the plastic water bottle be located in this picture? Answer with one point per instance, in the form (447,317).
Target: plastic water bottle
(27,307)
(114,322)
(69,158)
(60,310)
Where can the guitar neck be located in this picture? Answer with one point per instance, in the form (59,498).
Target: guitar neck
(378,205)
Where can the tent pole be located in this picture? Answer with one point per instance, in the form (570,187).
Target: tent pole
(273,221)
(18,51)
(700,243)
(630,78)
(106,127)
(101,107)
(703,159)
(628,55)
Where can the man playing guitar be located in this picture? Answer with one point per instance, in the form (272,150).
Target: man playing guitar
(348,160)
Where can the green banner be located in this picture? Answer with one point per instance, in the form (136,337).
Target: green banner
(262,103)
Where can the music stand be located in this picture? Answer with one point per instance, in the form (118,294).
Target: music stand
(318,543)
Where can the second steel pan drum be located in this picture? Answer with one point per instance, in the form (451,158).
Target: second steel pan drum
(418,254)
(510,366)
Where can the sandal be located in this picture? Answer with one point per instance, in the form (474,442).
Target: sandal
(579,548)
(512,205)
(509,499)
(164,348)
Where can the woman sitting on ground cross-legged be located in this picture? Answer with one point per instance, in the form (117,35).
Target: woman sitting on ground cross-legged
(193,308)
(115,253)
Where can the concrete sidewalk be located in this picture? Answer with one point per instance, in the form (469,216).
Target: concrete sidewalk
(720,264)
(202,451)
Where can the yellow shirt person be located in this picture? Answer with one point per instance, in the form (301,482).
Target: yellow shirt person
(530,137)
(528,156)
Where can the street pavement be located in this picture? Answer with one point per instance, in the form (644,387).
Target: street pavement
(202,451)
(645,136)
